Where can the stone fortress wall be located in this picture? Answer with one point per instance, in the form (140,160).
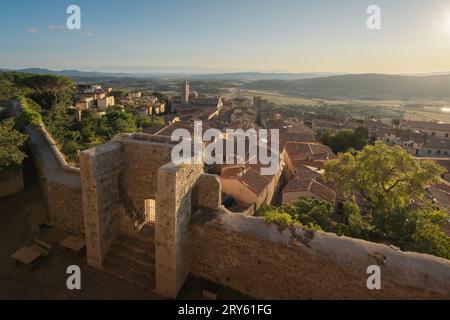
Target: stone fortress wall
(119,177)
(246,254)
(195,235)
(59,182)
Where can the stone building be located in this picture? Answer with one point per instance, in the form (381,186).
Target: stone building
(124,180)
(153,223)
(433,129)
(190,99)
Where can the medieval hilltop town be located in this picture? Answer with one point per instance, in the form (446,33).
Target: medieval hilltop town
(144,225)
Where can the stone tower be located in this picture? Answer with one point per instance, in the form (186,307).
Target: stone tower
(185,93)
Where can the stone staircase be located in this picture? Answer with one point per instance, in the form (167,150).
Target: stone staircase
(133,258)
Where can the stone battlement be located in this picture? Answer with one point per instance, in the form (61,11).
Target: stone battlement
(123,182)
(266,262)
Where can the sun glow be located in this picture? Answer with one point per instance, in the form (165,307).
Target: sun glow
(448,22)
(442,20)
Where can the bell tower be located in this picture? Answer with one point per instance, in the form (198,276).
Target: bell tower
(185,93)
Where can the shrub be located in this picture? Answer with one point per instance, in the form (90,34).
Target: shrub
(30,114)
(310,211)
(280,218)
(11,141)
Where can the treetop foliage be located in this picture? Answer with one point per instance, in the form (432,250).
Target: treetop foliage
(346,140)
(11,141)
(385,177)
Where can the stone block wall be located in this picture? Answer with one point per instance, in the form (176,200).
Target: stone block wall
(59,182)
(142,160)
(102,208)
(64,205)
(246,254)
(60,186)
(207,192)
(11,182)
(173,213)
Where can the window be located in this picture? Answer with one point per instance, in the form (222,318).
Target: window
(438,152)
(433,134)
(429,151)
(446,135)
(150,211)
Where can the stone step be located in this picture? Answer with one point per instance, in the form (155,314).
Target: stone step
(142,268)
(143,258)
(133,259)
(118,271)
(136,245)
(147,231)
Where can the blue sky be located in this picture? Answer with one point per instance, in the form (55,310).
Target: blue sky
(227,35)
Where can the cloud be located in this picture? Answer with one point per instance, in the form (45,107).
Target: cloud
(55,27)
(32,30)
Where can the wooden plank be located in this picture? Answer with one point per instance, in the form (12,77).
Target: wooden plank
(73,243)
(26,255)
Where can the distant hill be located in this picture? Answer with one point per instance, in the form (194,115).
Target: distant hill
(250,76)
(312,85)
(72,73)
(364,86)
(258,76)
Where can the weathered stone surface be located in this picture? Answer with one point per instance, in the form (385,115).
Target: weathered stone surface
(11,182)
(173,213)
(248,255)
(60,186)
(100,169)
(142,160)
(208,192)
(237,251)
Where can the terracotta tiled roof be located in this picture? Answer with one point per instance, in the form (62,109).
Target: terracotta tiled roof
(421,125)
(436,143)
(248,175)
(155,129)
(308,151)
(302,184)
(255,181)
(441,195)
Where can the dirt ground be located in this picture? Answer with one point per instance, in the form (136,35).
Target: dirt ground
(20,216)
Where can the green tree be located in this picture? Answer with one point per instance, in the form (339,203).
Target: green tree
(7,90)
(386,177)
(11,141)
(396,122)
(143,121)
(118,94)
(395,185)
(121,122)
(51,90)
(312,212)
(354,226)
(346,140)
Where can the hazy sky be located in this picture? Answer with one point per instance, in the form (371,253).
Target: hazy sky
(227,35)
